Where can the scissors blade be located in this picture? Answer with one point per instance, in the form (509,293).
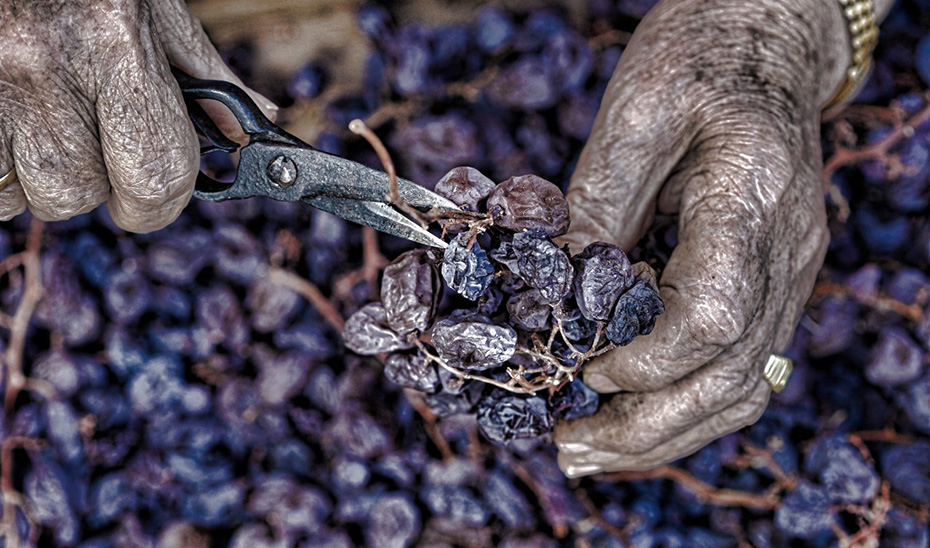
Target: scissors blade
(379,216)
(338,177)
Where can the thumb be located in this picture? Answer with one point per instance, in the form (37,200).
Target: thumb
(637,139)
(189,49)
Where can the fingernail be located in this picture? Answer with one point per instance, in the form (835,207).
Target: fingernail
(573,447)
(601,383)
(573,471)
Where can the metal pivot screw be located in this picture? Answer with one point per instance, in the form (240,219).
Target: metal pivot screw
(282,171)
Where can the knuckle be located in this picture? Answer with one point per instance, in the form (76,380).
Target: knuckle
(748,170)
(58,187)
(632,117)
(740,383)
(151,200)
(735,383)
(715,319)
(747,411)
(11,205)
(165,179)
(63,204)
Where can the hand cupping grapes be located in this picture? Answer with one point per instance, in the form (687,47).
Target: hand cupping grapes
(535,313)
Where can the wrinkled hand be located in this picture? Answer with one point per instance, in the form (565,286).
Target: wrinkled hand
(713,115)
(89,111)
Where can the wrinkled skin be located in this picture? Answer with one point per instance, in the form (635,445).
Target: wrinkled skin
(713,114)
(89,111)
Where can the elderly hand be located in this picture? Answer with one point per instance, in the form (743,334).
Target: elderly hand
(713,114)
(89,111)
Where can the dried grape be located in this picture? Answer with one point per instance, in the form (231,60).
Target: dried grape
(635,313)
(412,371)
(465,269)
(529,202)
(473,342)
(465,186)
(505,255)
(490,301)
(574,401)
(506,417)
(409,292)
(528,310)
(542,265)
(602,274)
(367,332)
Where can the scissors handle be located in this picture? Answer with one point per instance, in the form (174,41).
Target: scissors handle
(253,122)
(247,113)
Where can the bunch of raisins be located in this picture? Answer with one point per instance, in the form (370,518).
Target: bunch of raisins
(524,314)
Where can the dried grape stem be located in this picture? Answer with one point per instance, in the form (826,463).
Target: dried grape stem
(358,127)
(19,323)
(920,512)
(476,227)
(391,111)
(558,321)
(878,301)
(888,435)
(511,386)
(764,457)
(310,292)
(11,498)
(471,90)
(703,491)
(15,381)
(11,262)
(608,38)
(871,520)
(372,259)
(620,534)
(429,423)
(867,114)
(559,528)
(879,150)
(539,355)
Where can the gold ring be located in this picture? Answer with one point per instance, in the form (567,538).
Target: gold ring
(7,179)
(776,372)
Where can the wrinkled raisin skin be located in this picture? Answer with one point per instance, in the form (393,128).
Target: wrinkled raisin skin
(466,270)
(542,265)
(473,342)
(367,332)
(602,274)
(409,291)
(528,202)
(635,313)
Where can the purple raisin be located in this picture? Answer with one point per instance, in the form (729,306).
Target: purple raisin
(527,202)
(367,332)
(410,291)
(465,186)
(602,274)
(473,342)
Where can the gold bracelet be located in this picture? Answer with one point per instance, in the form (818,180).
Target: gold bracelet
(863,35)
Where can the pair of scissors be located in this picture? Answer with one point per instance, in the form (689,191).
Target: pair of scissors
(277,165)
